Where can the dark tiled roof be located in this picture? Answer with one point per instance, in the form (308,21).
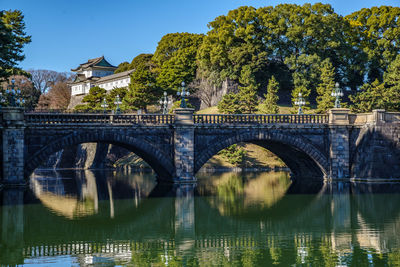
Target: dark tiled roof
(82,78)
(115,76)
(99,61)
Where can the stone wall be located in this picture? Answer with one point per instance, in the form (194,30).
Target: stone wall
(74,101)
(86,156)
(227,86)
(377,152)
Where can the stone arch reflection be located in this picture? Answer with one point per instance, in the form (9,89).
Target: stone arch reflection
(173,221)
(84,193)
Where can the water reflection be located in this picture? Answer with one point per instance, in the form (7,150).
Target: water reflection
(88,218)
(237,194)
(76,194)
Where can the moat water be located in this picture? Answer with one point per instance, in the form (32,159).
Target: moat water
(106,218)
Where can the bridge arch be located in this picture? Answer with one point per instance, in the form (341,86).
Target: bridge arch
(303,158)
(158,160)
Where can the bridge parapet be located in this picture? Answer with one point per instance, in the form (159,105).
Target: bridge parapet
(260,118)
(76,118)
(377,116)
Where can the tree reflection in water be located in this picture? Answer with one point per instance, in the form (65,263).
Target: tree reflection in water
(236,193)
(77,194)
(227,220)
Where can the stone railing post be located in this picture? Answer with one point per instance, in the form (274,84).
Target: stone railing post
(13,145)
(339,151)
(378,116)
(184,145)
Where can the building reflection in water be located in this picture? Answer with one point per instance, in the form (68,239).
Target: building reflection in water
(257,219)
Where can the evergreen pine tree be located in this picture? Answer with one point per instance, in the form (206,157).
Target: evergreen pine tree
(270,106)
(142,89)
(248,100)
(324,99)
(93,100)
(229,104)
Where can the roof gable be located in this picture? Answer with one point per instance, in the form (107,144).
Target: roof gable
(95,62)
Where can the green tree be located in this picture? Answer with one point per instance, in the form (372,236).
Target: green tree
(112,96)
(229,104)
(234,154)
(324,99)
(372,96)
(12,41)
(270,104)
(248,100)
(142,90)
(306,73)
(235,42)
(377,95)
(124,66)
(93,100)
(140,60)
(175,58)
(378,29)
(392,74)
(265,38)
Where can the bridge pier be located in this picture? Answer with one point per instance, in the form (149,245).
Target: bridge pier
(339,150)
(184,219)
(12,234)
(13,145)
(184,146)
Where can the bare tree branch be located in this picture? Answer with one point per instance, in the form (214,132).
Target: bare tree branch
(44,79)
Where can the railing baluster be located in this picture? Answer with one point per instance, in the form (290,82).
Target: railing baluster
(126,119)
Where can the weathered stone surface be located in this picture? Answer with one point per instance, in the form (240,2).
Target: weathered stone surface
(376,152)
(366,147)
(13,145)
(184,153)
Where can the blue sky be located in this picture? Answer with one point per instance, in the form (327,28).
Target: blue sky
(67,33)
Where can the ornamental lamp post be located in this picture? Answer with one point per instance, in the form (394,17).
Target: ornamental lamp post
(2,100)
(338,93)
(183,94)
(164,102)
(300,101)
(117,102)
(104,105)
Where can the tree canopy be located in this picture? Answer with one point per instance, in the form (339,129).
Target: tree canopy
(175,58)
(143,89)
(12,41)
(291,41)
(378,30)
(380,95)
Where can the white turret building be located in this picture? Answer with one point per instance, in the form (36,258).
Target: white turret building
(98,72)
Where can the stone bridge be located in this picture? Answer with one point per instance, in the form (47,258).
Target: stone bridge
(338,145)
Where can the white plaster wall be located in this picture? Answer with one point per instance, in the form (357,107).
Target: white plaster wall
(115,84)
(77,89)
(88,73)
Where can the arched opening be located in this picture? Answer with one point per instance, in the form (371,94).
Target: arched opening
(159,161)
(304,160)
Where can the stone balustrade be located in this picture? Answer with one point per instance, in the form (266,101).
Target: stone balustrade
(76,118)
(260,118)
(124,119)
